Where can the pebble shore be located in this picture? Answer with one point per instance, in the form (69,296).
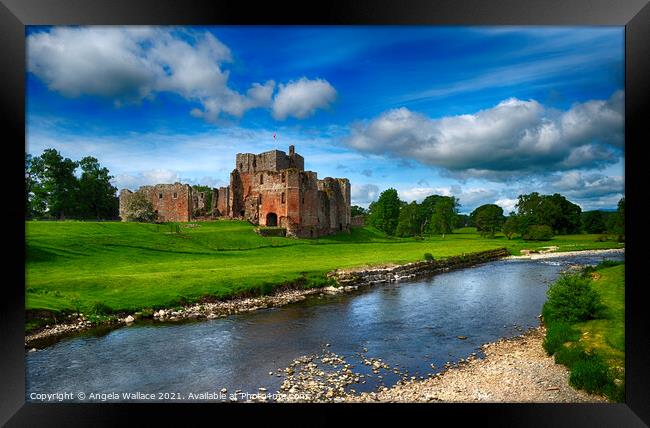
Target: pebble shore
(513,370)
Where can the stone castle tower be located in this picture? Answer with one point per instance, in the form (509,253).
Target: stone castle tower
(267,189)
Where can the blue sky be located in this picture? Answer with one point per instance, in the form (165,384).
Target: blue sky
(483,113)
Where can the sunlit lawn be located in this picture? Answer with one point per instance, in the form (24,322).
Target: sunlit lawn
(130,266)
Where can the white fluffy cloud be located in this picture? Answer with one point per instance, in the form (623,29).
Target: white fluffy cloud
(150,177)
(363,194)
(581,186)
(130,64)
(507,204)
(514,137)
(300,99)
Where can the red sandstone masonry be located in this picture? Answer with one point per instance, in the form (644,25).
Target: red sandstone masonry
(267,189)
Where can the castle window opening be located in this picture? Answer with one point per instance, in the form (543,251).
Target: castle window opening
(261,178)
(254,163)
(159,195)
(283,197)
(283,177)
(271,219)
(175,195)
(260,198)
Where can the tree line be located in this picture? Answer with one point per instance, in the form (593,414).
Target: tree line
(60,188)
(536,217)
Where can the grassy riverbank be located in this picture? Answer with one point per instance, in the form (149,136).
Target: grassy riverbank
(112,266)
(585,318)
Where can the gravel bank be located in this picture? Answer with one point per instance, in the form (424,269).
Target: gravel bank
(552,254)
(513,370)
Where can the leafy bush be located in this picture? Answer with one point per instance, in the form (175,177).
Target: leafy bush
(538,233)
(428,257)
(557,334)
(571,299)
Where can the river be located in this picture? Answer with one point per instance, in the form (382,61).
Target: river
(410,324)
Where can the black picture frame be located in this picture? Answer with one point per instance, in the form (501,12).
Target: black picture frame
(633,14)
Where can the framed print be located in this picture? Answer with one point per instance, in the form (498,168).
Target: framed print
(426,207)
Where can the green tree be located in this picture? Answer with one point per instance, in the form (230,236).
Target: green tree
(444,215)
(488,219)
(593,222)
(97,196)
(409,221)
(384,213)
(616,223)
(356,210)
(463,220)
(35,204)
(58,187)
(554,211)
(511,226)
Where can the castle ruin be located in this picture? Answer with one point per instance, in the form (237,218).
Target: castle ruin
(267,189)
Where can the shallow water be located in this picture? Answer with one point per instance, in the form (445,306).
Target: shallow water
(412,324)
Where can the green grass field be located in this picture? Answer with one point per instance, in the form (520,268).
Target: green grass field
(607,335)
(129,266)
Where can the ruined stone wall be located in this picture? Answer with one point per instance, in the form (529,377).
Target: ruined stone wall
(338,193)
(357,221)
(270,188)
(171,202)
(125,195)
(198,200)
(221,202)
(273,160)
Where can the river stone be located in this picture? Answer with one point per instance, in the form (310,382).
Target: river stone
(129,319)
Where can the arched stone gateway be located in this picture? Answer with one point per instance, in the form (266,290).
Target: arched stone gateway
(271,219)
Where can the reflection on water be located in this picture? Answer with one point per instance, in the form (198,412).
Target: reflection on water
(410,324)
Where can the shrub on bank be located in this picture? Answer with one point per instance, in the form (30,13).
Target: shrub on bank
(428,257)
(571,299)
